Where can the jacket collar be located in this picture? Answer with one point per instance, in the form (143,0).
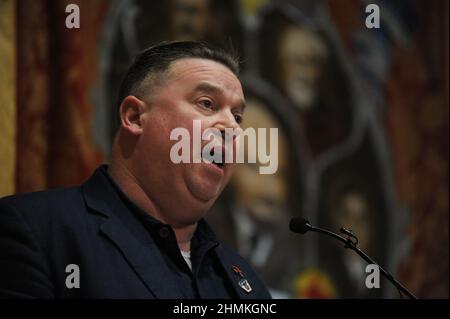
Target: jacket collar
(143,255)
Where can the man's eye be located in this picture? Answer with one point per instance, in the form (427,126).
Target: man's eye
(238,118)
(206,104)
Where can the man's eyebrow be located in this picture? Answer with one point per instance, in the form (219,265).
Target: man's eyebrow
(208,87)
(211,88)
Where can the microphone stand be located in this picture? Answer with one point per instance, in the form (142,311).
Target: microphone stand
(349,243)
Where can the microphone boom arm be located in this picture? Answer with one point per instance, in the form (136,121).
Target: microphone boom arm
(352,245)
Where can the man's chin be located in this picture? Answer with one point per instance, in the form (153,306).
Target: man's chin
(204,199)
(204,190)
(205,196)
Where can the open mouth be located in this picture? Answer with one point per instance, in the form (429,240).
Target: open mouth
(213,159)
(220,165)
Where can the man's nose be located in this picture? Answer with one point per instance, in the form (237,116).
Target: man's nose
(226,120)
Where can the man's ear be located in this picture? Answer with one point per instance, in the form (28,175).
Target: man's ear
(131,111)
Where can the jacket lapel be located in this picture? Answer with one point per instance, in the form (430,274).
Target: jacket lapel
(236,280)
(146,260)
(144,257)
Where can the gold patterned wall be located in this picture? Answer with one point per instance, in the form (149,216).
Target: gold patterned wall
(7,97)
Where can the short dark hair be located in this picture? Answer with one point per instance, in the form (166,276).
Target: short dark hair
(157,59)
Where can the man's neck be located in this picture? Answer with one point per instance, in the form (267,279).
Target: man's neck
(131,188)
(184,236)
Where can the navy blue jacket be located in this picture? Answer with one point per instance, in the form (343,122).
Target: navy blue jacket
(89,226)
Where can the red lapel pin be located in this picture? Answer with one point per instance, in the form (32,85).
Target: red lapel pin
(237,271)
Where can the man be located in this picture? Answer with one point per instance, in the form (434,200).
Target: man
(135,229)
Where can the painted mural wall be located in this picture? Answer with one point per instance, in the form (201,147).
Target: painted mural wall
(362,116)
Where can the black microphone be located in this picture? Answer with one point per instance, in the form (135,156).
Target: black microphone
(299,225)
(302,225)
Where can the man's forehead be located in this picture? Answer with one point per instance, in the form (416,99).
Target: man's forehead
(192,67)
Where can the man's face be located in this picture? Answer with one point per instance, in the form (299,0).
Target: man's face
(191,19)
(353,212)
(194,89)
(302,55)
